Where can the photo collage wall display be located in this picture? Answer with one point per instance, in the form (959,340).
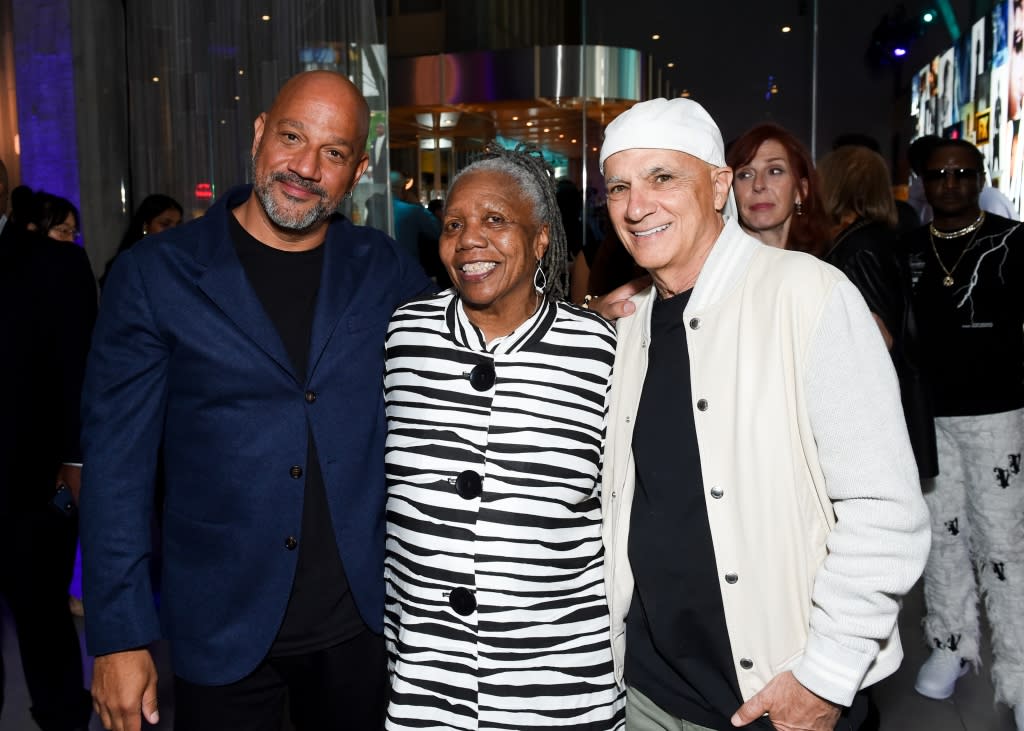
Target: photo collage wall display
(975,91)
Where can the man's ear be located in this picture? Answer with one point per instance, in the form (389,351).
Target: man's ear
(721,180)
(361,166)
(257,132)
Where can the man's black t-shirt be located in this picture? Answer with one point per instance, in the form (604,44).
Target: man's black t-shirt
(677,644)
(321,610)
(971,335)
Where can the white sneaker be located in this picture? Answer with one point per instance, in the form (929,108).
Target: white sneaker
(939,673)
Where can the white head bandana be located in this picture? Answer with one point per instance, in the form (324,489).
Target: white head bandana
(668,124)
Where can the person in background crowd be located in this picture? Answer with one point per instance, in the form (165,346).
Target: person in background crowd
(990,199)
(53,216)
(968,270)
(156,213)
(858,199)
(610,266)
(777,190)
(245,347)
(906,216)
(762,506)
(379,158)
(47,309)
(570,207)
(21,202)
(496,395)
(416,229)
(436,208)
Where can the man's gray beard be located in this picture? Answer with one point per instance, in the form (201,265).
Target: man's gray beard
(281,216)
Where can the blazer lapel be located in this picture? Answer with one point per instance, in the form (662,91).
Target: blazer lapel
(337,284)
(225,283)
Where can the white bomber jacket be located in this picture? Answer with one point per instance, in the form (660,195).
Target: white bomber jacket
(810,483)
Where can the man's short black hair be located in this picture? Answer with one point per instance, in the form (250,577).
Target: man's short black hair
(979,159)
(919,152)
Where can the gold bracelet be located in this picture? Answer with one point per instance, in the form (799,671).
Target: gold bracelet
(587,300)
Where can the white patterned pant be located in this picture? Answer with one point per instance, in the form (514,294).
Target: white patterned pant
(977,516)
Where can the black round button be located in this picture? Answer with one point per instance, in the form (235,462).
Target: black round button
(731,578)
(462,601)
(295,472)
(469,485)
(702,404)
(290,543)
(310,396)
(482,377)
(746,663)
(694,323)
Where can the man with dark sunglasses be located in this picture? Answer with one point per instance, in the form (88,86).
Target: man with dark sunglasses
(990,199)
(968,269)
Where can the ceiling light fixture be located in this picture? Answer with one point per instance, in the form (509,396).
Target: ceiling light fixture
(786,29)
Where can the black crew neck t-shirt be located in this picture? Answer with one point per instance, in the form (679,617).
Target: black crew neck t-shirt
(678,652)
(321,611)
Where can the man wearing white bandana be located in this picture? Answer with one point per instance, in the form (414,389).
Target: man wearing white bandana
(762,507)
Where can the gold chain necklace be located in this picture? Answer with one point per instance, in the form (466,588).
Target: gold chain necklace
(948,279)
(973,226)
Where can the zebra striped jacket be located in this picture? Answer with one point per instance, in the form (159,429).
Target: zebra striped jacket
(495,616)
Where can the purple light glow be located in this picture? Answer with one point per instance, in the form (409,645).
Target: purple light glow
(44,74)
(899,52)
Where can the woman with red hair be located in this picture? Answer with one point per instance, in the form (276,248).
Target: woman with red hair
(776,190)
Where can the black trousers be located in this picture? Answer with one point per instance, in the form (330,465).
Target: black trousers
(37,559)
(341,688)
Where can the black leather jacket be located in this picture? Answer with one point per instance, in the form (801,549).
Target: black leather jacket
(868,253)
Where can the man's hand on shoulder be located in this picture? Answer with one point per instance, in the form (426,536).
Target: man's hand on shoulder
(616,303)
(790,707)
(124,689)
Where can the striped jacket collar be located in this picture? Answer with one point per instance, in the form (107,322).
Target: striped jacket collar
(468,335)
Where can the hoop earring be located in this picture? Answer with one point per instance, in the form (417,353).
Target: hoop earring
(798,208)
(540,279)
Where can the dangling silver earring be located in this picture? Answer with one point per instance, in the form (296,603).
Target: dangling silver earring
(540,279)
(798,208)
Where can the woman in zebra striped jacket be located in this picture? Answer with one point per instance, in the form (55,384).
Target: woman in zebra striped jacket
(496,395)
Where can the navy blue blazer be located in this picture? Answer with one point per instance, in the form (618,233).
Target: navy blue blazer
(184,359)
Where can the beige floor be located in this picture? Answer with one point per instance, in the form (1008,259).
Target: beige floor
(970,709)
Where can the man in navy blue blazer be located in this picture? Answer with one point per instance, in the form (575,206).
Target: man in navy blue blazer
(242,355)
